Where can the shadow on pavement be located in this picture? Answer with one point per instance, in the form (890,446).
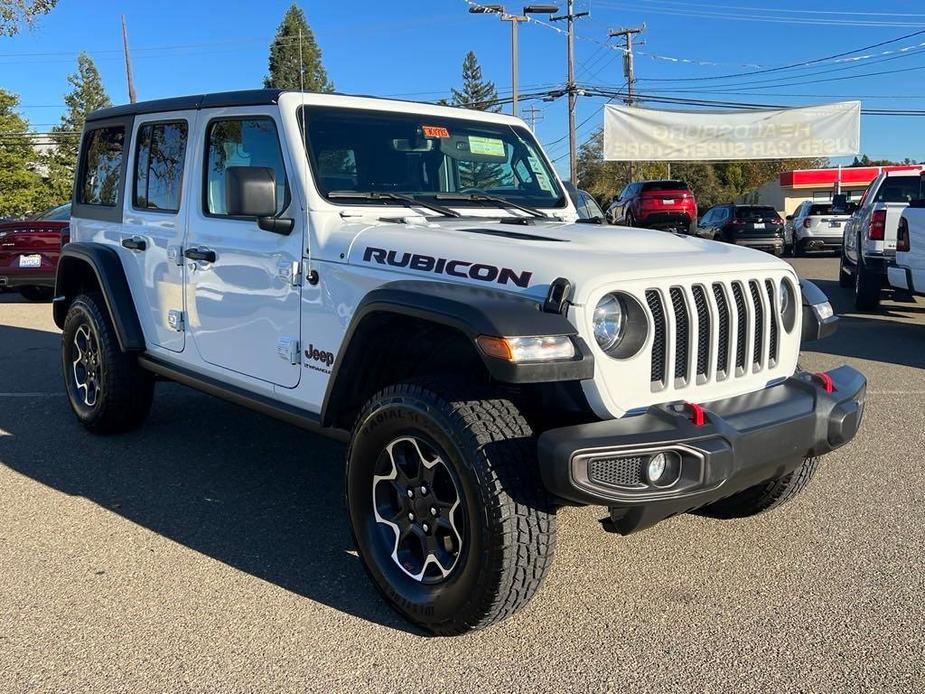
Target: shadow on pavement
(256,494)
(872,336)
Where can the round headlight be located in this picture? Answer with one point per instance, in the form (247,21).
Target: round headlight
(785,297)
(609,322)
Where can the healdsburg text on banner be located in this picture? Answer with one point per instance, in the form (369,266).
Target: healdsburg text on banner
(642,134)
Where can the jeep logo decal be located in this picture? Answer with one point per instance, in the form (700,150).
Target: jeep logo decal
(326,358)
(441,266)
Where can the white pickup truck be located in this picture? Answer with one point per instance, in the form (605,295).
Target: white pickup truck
(907,272)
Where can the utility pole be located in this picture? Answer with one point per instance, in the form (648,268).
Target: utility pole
(128,64)
(515,20)
(571,89)
(534,114)
(627,34)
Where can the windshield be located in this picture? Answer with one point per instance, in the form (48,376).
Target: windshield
(423,156)
(61,213)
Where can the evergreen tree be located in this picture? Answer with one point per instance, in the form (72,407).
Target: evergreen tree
(87,94)
(20,183)
(17,13)
(284,56)
(477,92)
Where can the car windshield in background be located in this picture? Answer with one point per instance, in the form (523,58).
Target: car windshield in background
(61,213)
(422,156)
(902,189)
(655,186)
(749,214)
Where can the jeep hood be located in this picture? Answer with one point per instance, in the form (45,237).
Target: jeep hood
(526,258)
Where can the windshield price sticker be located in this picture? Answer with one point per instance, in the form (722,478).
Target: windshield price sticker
(435,131)
(486,146)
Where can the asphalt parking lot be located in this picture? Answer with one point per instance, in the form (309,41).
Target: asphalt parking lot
(210,551)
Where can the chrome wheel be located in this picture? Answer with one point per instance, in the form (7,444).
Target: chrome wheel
(86,365)
(416,500)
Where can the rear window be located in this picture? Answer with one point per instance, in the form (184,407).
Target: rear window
(818,210)
(655,186)
(901,189)
(100,176)
(750,213)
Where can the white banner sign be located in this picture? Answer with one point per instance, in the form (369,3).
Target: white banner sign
(641,134)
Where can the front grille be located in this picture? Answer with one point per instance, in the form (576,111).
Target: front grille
(617,471)
(654,300)
(723,330)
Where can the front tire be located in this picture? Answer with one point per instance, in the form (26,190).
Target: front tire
(765,496)
(109,393)
(446,505)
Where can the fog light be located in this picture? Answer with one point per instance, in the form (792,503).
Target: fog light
(656,467)
(663,469)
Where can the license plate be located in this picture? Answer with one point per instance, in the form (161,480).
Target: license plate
(30,261)
(835,225)
(667,201)
(760,225)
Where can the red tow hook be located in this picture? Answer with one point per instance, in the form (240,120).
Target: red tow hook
(698,416)
(827,385)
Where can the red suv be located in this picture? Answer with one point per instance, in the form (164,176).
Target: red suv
(29,251)
(668,205)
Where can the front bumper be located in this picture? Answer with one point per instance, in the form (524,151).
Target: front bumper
(743,441)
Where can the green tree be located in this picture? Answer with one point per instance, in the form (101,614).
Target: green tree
(87,94)
(20,182)
(14,14)
(477,93)
(284,66)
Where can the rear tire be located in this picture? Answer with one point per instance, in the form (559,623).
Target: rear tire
(765,496)
(109,393)
(496,546)
(32,293)
(866,289)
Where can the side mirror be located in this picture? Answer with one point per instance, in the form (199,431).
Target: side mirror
(250,191)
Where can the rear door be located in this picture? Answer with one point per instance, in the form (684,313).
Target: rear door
(154,221)
(242,283)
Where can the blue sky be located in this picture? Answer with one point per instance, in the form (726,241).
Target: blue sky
(414,49)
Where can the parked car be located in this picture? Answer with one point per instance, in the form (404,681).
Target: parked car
(589,212)
(907,272)
(331,261)
(869,239)
(29,251)
(755,226)
(819,226)
(668,205)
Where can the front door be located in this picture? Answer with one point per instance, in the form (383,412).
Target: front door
(242,284)
(158,196)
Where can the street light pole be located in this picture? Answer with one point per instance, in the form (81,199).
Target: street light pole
(571,88)
(514,19)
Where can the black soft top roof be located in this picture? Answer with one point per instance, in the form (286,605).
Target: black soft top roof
(249,97)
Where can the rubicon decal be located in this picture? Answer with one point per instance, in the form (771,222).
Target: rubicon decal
(483,272)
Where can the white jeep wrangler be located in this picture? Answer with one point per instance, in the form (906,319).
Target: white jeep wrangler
(410,278)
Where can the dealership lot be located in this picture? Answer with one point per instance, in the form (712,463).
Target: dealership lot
(210,550)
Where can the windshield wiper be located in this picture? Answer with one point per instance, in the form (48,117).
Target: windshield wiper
(481,196)
(405,200)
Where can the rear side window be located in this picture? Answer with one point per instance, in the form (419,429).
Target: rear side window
(901,189)
(242,142)
(100,175)
(655,186)
(159,160)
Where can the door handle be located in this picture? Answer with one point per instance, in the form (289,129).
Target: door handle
(135,244)
(204,254)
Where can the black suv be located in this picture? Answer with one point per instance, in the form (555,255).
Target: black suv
(757,226)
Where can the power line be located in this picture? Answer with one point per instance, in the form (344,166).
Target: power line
(786,10)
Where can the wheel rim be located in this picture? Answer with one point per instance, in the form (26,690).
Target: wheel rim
(416,501)
(86,365)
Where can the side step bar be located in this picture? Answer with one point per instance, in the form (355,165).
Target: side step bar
(259,403)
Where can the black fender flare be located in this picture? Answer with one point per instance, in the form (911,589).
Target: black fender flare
(104,264)
(473,311)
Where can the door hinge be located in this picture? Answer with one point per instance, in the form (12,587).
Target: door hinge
(288,348)
(290,273)
(175,320)
(175,254)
